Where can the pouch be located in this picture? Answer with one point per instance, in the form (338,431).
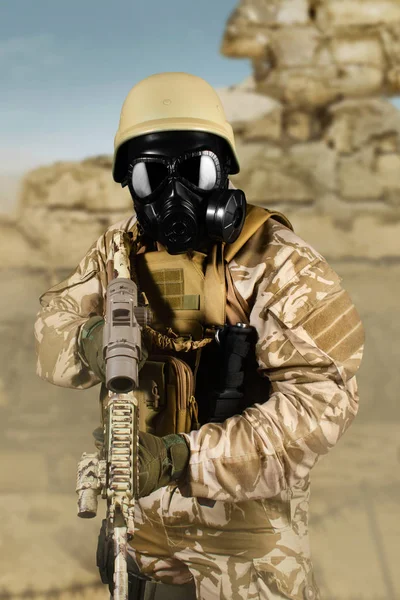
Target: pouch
(166,401)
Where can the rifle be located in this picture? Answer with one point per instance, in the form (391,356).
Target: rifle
(113,471)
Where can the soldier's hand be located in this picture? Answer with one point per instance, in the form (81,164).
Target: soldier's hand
(162,460)
(92,345)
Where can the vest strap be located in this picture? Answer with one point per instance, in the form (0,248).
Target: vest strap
(178,344)
(215,287)
(255,217)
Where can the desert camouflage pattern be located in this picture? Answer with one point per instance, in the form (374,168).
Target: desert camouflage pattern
(88,486)
(238,524)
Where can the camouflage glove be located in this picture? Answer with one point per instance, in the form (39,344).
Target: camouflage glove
(92,345)
(162,460)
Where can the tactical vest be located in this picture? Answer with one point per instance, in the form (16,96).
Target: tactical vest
(190,296)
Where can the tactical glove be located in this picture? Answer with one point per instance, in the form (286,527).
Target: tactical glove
(162,460)
(92,345)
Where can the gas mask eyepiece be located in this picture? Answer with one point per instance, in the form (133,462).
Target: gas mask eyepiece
(199,170)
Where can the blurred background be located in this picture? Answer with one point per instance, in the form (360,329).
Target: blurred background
(311,88)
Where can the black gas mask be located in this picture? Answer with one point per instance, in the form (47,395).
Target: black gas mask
(179,185)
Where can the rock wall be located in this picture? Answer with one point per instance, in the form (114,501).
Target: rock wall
(341,175)
(309,53)
(64,206)
(326,147)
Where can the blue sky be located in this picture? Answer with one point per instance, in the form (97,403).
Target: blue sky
(66,67)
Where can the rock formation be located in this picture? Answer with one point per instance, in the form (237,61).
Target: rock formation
(309,53)
(62,209)
(328,148)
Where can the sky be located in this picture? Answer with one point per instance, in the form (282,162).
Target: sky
(66,67)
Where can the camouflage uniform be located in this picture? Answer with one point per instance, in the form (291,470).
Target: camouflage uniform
(239,523)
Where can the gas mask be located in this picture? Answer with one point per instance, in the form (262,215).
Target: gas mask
(182,199)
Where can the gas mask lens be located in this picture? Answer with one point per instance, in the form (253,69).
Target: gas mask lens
(147,176)
(201,170)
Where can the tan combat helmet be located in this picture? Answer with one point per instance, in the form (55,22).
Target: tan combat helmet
(171,102)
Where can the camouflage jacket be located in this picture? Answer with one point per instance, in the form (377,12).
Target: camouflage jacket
(310,347)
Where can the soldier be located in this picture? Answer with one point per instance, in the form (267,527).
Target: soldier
(226,504)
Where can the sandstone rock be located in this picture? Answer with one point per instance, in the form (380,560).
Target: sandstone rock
(275,184)
(357,81)
(266,128)
(387,143)
(327,51)
(301,87)
(356,123)
(272,14)
(244,47)
(340,134)
(368,237)
(350,50)
(318,164)
(332,14)
(15,247)
(388,173)
(301,126)
(240,38)
(317,86)
(393,78)
(86,185)
(250,154)
(292,12)
(294,46)
(357,181)
(243,105)
(68,234)
(64,208)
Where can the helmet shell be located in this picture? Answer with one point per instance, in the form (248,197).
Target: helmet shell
(171,102)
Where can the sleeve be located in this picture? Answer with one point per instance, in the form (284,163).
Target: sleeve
(310,347)
(64,309)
